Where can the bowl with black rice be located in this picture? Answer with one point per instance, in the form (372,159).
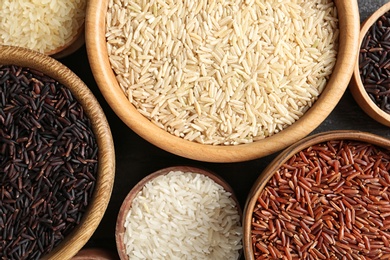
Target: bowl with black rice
(370,84)
(57,161)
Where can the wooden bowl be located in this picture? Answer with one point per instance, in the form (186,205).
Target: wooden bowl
(95,254)
(71,46)
(357,87)
(69,42)
(98,57)
(106,157)
(127,203)
(284,157)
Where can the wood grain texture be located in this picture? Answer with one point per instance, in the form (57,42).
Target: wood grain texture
(357,88)
(106,157)
(278,161)
(108,85)
(126,205)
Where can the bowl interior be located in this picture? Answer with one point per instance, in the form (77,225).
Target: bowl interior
(282,158)
(98,57)
(357,87)
(127,203)
(106,157)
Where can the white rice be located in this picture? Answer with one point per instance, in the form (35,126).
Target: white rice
(40,25)
(222,72)
(183,215)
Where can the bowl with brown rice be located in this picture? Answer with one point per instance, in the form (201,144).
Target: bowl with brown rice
(325,197)
(180,212)
(222,81)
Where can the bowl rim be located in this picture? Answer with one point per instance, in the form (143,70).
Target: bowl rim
(127,202)
(74,44)
(357,88)
(73,242)
(113,94)
(267,173)
(94,253)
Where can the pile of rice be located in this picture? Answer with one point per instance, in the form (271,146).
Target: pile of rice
(222,72)
(183,215)
(40,25)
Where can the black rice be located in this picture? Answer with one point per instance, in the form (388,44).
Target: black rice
(48,163)
(374,62)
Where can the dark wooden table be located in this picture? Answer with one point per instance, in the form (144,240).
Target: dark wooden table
(136,158)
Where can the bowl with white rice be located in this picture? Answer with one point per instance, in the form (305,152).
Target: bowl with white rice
(180,212)
(222,81)
(52,27)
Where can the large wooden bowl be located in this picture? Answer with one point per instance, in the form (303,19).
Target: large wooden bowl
(98,57)
(357,88)
(286,155)
(106,157)
(127,202)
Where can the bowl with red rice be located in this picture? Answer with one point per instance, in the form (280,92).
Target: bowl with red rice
(325,197)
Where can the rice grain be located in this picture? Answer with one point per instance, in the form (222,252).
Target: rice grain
(40,25)
(183,215)
(254,57)
(325,204)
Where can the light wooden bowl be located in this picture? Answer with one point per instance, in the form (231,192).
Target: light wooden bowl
(126,205)
(282,158)
(98,57)
(69,47)
(357,88)
(106,158)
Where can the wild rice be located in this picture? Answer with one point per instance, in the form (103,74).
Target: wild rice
(247,69)
(48,163)
(323,213)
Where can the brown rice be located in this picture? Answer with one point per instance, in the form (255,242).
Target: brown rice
(222,72)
